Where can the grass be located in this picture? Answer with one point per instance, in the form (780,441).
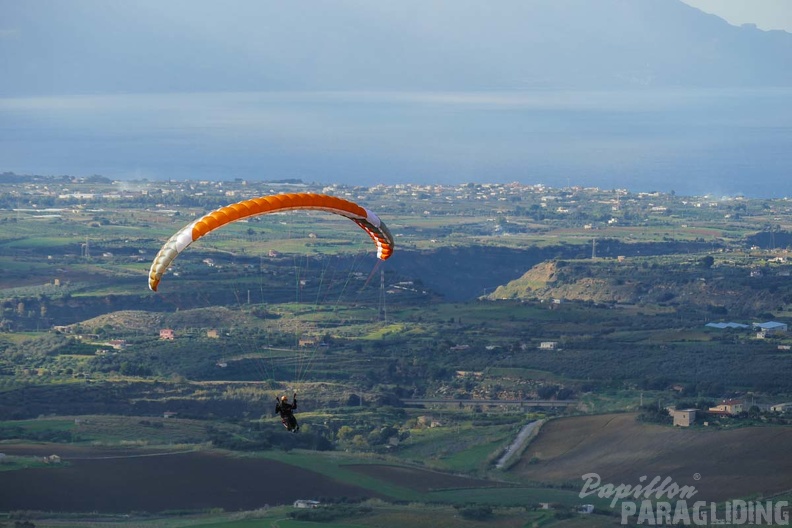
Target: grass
(474,458)
(378,333)
(461,447)
(332,465)
(14,265)
(526,497)
(617,401)
(437,516)
(21,337)
(143,431)
(44,424)
(117,430)
(523,373)
(14,463)
(253,519)
(382,515)
(276,522)
(477,313)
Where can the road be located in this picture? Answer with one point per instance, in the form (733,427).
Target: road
(517,446)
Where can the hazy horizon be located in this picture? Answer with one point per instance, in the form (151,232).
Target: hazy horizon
(686,141)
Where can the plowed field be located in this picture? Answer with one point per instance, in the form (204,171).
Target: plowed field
(110,481)
(721,464)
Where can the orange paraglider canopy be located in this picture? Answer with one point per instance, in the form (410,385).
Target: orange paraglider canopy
(262,205)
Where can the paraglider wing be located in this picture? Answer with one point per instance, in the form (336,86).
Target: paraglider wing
(366,219)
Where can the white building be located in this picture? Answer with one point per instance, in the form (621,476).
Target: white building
(305,503)
(684,417)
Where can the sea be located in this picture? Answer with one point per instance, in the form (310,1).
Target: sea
(697,142)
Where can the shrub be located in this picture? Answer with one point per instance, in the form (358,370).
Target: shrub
(476,513)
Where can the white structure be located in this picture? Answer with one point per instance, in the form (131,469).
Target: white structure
(684,417)
(721,326)
(305,503)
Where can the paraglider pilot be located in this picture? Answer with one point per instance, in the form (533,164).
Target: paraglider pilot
(286,411)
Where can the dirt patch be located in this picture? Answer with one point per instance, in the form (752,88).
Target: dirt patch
(721,464)
(123,481)
(420,479)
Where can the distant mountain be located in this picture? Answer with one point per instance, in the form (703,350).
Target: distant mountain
(95,46)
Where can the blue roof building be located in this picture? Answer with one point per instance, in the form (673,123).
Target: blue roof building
(771,327)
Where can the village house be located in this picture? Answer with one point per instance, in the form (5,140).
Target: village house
(167,333)
(727,407)
(548,345)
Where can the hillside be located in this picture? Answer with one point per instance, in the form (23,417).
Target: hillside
(723,289)
(139,320)
(621,449)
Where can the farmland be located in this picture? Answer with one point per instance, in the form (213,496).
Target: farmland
(620,449)
(492,304)
(113,481)
(720,464)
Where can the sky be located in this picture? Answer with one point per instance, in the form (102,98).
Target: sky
(766,14)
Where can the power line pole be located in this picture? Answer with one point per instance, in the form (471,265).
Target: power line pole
(383,314)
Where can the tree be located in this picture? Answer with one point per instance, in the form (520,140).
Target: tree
(476,513)
(707,262)
(345,433)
